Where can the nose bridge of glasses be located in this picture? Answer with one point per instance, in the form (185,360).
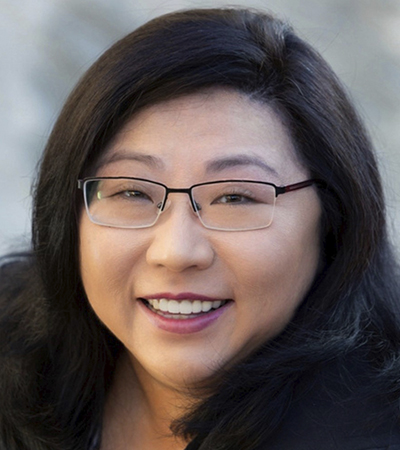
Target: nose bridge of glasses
(187,191)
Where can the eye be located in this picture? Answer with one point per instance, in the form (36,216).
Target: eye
(125,192)
(234,198)
(132,195)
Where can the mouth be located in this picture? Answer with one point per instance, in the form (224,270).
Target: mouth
(186,313)
(182,309)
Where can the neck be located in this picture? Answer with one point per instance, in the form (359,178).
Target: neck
(139,411)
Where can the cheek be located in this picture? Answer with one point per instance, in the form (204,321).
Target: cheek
(277,266)
(267,259)
(106,263)
(100,264)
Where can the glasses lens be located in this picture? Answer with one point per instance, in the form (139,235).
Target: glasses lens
(125,203)
(238,205)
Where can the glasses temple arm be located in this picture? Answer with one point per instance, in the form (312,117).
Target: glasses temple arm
(296,186)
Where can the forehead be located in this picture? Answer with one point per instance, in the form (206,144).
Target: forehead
(213,130)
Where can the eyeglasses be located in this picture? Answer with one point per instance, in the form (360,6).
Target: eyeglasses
(226,205)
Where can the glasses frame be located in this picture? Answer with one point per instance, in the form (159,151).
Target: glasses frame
(279,190)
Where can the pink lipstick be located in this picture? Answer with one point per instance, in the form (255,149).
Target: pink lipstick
(183,313)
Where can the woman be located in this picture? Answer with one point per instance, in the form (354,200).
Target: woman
(210,264)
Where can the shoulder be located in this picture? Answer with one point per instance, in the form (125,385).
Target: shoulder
(315,425)
(328,416)
(19,285)
(23,335)
(23,310)
(15,270)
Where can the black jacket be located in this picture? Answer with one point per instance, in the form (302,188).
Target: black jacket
(336,409)
(329,415)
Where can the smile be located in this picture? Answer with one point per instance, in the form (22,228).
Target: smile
(182,309)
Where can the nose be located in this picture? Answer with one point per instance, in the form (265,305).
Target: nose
(179,241)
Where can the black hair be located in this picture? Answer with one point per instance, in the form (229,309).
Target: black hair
(58,365)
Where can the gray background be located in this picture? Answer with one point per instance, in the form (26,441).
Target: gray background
(45,46)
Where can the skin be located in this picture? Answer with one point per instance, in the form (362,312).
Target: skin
(266,273)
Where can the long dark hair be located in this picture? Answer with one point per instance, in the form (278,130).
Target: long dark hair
(59,359)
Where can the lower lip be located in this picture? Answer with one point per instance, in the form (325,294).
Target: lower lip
(184,326)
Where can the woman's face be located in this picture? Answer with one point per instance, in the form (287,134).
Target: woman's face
(263,275)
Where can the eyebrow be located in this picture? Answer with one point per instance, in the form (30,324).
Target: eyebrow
(213,166)
(227,162)
(149,160)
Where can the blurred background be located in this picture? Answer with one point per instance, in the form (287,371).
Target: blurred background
(46,45)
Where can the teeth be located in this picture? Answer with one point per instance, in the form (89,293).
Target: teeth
(163,305)
(184,307)
(206,306)
(196,307)
(173,307)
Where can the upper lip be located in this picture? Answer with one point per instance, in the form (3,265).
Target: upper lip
(182,296)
